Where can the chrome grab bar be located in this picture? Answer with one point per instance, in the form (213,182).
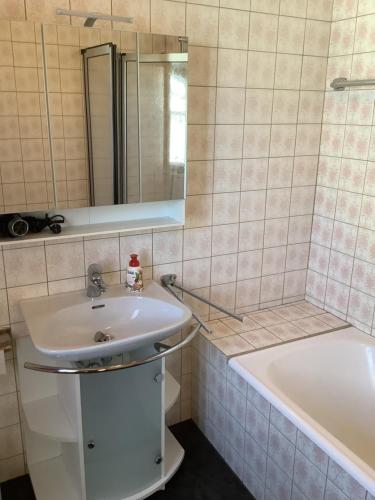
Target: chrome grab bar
(195,316)
(123,366)
(342,83)
(169,281)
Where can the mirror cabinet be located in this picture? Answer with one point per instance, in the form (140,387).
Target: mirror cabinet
(99,119)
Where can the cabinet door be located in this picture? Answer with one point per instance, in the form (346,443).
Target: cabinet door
(123,429)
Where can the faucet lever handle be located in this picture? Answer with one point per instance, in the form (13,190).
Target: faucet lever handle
(93,271)
(96,284)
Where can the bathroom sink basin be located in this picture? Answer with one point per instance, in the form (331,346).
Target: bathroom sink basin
(66,326)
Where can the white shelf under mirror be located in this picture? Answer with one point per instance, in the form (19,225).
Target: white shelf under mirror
(93,221)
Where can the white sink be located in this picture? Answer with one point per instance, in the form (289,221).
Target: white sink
(63,326)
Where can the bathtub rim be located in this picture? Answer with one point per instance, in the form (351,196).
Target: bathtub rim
(362,472)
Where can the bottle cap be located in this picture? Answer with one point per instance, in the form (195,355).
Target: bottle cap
(134,262)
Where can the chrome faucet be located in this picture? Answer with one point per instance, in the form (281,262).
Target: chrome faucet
(96,285)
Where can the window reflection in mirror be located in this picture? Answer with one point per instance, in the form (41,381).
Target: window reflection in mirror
(162,116)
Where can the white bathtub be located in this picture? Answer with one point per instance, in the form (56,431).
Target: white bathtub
(326,386)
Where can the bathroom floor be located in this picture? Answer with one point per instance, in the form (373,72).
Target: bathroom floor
(203,474)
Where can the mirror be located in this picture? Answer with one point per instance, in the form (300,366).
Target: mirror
(117,115)
(26,179)
(162,90)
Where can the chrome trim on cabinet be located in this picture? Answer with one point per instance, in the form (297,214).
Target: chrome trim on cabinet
(123,366)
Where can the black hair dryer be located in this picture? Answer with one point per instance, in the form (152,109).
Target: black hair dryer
(16,225)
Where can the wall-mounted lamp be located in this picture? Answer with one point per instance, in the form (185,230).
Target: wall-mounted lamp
(91,17)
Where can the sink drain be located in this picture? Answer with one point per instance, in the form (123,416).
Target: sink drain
(102,337)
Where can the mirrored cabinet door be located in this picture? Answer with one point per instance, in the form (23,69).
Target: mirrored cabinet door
(117,106)
(84,102)
(99,66)
(91,116)
(162,117)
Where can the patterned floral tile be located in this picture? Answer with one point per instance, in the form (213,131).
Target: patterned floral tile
(308,478)
(266,318)
(281,450)
(260,403)
(345,482)
(233,345)
(284,425)
(311,325)
(333,493)
(315,454)
(219,330)
(287,331)
(291,313)
(260,338)
(308,308)
(236,403)
(279,481)
(257,425)
(332,321)
(255,456)
(247,325)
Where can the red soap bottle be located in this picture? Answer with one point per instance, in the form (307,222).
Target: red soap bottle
(134,278)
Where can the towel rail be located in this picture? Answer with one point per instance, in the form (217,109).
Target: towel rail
(169,281)
(163,351)
(342,83)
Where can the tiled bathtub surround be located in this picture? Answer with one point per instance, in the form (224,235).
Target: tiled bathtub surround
(270,327)
(341,265)
(274,459)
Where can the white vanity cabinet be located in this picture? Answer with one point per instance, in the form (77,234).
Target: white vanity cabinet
(98,436)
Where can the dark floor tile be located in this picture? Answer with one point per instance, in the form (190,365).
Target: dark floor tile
(203,474)
(17,489)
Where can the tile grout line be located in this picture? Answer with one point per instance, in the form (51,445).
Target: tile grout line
(210,292)
(294,162)
(242,163)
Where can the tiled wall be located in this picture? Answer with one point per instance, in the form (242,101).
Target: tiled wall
(26,177)
(64,74)
(274,459)
(254,140)
(341,268)
(257,80)
(256,96)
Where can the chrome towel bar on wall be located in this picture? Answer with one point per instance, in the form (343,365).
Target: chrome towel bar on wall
(342,83)
(169,282)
